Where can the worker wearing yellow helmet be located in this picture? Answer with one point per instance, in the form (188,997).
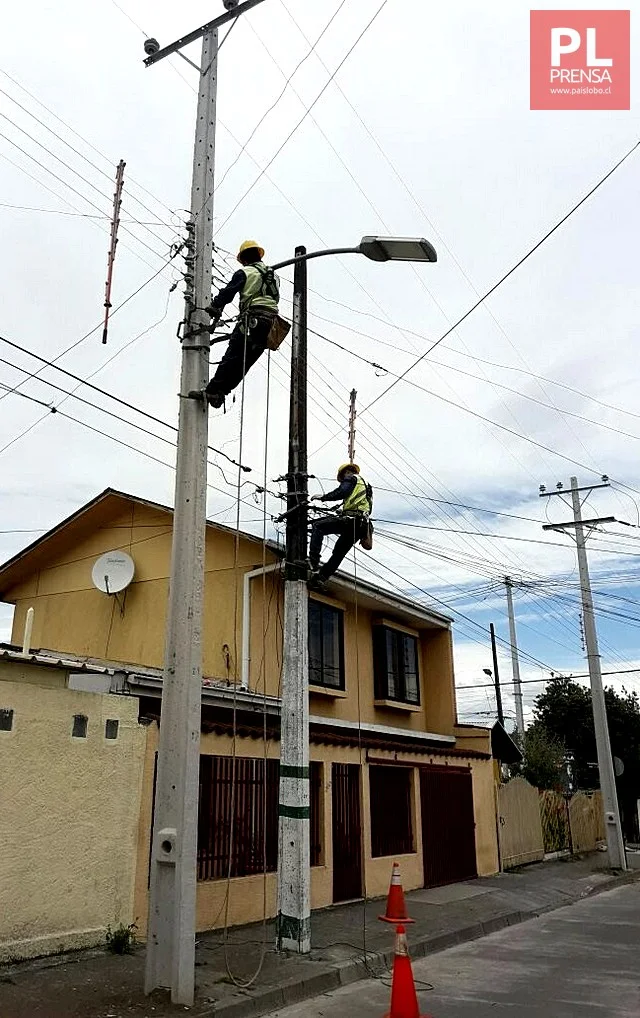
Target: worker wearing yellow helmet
(351,524)
(259,293)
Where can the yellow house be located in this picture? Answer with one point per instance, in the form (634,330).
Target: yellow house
(394,776)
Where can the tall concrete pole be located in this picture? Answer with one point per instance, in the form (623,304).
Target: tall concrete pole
(172,892)
(515,660)
(615,841)
(293,923)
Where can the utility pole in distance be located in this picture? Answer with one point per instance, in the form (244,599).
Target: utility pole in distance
(615,841)
(496,675)
(515,661)
(170,960)
(293,923)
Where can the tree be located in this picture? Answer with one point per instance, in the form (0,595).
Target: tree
(544,756)
(564,711)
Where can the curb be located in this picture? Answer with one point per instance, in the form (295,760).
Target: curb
(379,963)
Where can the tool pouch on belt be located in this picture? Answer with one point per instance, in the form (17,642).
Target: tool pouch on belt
(366,534)
(277,333)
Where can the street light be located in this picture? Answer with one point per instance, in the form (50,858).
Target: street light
(293,921)
(398,249)
(377,249)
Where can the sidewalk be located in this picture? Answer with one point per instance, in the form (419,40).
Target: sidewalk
(94,984)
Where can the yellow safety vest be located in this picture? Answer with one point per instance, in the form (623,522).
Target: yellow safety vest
(357,501)
(260,291)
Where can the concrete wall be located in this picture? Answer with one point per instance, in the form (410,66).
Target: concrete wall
(69,812)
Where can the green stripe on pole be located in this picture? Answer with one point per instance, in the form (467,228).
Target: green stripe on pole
(295,812)
(293,772)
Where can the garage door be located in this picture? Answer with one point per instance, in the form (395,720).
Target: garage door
(448,826)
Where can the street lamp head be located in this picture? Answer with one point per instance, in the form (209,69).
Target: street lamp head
(487,671)
(398,249)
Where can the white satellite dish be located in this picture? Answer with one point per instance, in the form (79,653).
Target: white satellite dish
(113,572)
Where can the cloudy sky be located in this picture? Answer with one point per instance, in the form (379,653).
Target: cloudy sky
(424,130)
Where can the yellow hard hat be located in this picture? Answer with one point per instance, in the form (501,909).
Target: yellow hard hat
(247,245)
(347,466)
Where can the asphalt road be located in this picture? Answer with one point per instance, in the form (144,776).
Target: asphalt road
(582,961)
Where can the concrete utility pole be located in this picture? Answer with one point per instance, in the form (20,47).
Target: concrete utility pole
(496,675)
(172,891)
(515,660)
(615,841)
(293,924)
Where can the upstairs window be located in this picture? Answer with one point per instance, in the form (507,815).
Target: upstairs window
(395,661)
(326,645)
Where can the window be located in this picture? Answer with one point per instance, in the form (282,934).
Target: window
(395,662)
(326,645)
(391,813)
(218,803)
(111,728)
(6,719)
(232,814)
(79,730)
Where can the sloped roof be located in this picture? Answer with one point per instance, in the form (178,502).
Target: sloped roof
(30,558)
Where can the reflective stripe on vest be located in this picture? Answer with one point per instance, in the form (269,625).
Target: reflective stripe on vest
(253,295)
(357,501)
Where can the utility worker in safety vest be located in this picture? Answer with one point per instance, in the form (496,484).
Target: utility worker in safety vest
(350,525)
(257,285)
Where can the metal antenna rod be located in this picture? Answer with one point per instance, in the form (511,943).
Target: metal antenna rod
(352,426)
(115,223)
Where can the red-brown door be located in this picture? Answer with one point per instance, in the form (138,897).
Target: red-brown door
(448,825)
(347,832)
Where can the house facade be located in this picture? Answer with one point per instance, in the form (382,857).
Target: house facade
(393,775)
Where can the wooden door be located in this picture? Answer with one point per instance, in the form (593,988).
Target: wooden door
(347,832)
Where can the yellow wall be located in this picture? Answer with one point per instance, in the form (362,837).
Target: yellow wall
(247,894)
(71,615)
(69,813)
(62,593)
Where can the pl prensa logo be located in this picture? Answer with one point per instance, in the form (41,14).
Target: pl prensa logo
(580,60)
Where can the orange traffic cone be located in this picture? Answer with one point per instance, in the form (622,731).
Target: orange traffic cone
(404,1001)
(396,908)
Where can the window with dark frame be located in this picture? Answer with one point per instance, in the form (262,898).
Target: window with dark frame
(79,730)
(6,719)
(395,662)
(391,812)
(326,645)
(231,823)
(111,728)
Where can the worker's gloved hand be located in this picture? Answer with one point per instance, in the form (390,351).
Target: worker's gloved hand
(215,314)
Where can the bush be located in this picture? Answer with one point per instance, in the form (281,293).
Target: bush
(122,940)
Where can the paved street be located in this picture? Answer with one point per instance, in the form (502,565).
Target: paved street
(581,961)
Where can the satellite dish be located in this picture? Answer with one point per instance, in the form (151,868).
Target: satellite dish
(113,572)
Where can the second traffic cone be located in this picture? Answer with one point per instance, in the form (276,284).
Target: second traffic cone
(396,908)
(404,1000)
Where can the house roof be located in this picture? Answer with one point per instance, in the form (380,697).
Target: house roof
(368,594)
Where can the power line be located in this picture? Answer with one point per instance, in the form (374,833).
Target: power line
(303,118)
(507,274)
